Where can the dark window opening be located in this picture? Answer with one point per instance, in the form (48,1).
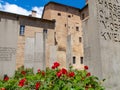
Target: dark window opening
(74,60)
(80,39)
(65,25)
(59,14)
(83,16)
(77,28)
(69,16)
(81,60)
(55,41)
(22,30)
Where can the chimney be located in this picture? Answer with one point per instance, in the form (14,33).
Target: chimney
(33,13)
(86,1)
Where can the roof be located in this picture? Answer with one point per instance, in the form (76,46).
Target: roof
(52,2)
(32,21)
(18,15)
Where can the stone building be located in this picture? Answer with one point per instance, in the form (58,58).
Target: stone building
(35,42)
(19,36)
(68,33)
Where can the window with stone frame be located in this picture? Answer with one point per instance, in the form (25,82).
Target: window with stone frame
(81,60)
(22,30)
(74,59)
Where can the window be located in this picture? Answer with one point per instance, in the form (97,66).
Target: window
(22,30)
(74,60)
(69,16)
(65,25)
(80,39)
(59,14)
(77,28)
(83,16)
(81,60)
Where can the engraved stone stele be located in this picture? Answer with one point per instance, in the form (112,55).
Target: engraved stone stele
(29,53)
(69,52)
(53,55)
(102,41)
(8,44)
(39,58)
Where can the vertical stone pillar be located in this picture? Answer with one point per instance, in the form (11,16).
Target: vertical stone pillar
(53,55)
(8,44)
(69,52)
(102,52)
(40,44)
(29,53)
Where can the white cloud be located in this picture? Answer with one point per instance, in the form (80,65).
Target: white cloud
(19,10)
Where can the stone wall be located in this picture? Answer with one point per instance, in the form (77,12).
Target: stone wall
(8,45)
(102,36)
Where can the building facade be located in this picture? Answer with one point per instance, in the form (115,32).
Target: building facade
(68,26)
(37,43)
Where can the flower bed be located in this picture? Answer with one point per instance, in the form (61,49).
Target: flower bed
(51,79)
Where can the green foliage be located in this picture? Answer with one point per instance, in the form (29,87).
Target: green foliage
(51,79)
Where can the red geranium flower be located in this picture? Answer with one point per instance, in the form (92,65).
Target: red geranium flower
(58,74)
(38,70)
(86,67)
(22,82)
(53,67)
(6,78)
(64,71)
(23,72)
(88,74)
(43,73)
(71,74)
(37,85)
(56,64)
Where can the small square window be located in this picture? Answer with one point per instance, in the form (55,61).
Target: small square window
(80,39)
(81,60)
(77,28)
(83,16)
(22,30)
(74,60)
(59,14)
(69,16)
(65,25)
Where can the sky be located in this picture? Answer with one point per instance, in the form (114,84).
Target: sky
(24,7)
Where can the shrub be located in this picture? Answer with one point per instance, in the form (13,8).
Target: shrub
(52,79)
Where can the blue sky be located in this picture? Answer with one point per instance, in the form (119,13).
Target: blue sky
(24,7)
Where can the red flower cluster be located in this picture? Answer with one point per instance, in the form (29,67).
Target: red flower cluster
(22,82)
(58,74)
(62,71)
(38,70)
(71,74)
(6,78)
(56,64)
(37,85)
(23,72)
(86,67)
(88,74)
(43,73)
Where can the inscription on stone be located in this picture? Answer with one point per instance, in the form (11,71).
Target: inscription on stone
(109,19)
(6,53)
